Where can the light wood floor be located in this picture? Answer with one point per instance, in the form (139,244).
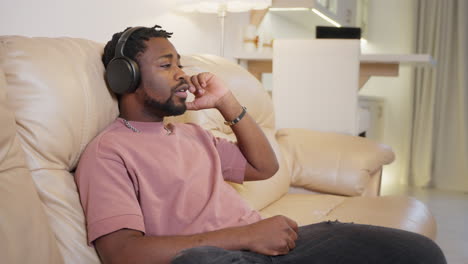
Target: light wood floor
(451,212)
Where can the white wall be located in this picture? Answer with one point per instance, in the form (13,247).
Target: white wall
(392,29)
(98,20)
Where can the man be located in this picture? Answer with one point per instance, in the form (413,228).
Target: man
(155,194)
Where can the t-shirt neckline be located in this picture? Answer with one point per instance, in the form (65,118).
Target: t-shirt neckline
(152,127)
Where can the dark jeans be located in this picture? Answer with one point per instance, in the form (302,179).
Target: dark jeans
(333,242)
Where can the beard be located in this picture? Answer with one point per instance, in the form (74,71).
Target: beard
(161,109)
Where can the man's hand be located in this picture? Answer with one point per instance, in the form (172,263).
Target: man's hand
(208,90)
(273,236)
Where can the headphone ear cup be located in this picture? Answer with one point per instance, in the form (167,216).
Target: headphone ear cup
(136,76)
(122,75)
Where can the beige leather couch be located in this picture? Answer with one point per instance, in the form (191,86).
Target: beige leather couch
(53,101)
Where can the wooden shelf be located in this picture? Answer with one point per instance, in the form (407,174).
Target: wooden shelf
(370,64)
(403,59)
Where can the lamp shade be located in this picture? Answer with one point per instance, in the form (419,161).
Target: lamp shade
(215,6)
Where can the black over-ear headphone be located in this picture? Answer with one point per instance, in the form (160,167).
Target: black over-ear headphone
(122,73)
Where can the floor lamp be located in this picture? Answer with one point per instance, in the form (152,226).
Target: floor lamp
(221,7)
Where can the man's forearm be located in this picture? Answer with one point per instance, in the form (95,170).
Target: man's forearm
(130,246)
(251,140)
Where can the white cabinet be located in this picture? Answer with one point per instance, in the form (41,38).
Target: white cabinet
(315,85)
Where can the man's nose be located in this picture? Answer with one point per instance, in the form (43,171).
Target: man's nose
(180,75)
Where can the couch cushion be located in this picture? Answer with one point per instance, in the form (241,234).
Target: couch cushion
(250,93)
(23,222)
(331,162)
(56,89)
(400,212)
(304,208)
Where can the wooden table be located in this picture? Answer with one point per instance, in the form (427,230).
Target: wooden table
(371,64)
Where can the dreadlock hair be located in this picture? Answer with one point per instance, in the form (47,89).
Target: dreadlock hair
(135,44)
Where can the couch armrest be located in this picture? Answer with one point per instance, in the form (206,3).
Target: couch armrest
(331,162)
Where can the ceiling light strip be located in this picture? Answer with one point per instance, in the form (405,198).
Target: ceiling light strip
(325,17)
(281,9)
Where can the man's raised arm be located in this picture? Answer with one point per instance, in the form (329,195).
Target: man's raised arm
(210,92)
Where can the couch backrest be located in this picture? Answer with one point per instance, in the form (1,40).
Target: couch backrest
(25,233)
(59,99)
(55,88)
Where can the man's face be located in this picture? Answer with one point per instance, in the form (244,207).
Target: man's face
(163,89)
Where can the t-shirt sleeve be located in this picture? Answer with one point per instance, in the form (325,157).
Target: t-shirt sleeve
(107,193)
(233,162)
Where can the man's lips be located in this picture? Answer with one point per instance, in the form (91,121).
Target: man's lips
(181,90)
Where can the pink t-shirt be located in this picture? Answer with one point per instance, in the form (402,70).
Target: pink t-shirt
(161,184)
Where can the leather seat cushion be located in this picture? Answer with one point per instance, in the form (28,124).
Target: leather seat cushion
(389,211)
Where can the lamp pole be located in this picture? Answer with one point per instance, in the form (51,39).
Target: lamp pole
(222,17)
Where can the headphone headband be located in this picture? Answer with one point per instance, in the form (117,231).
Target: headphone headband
(119,49)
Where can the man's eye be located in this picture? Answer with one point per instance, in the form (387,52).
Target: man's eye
(181,67)
(166,65)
